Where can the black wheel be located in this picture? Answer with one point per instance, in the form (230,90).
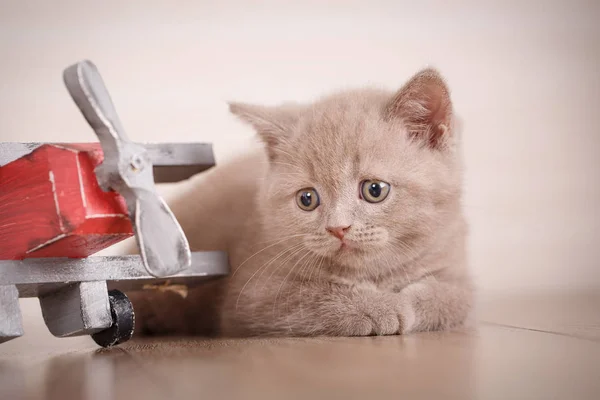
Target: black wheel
(123,321)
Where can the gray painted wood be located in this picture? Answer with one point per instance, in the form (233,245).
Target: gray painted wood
(172,162)
(77,309)
(11,324)
(36,277)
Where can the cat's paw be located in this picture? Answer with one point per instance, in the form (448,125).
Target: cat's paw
(386,314)
(358,326)
(377,323)
(386,321)
(369,313)
(374,321)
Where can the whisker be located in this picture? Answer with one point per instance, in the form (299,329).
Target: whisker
(414,259)
(402,265)
(318,262)
(293,248)
(286,277)
(281,264)
(308,265)
(321,263)
(285,152)
(279,238)
(258,252)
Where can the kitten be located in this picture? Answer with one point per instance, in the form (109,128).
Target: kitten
(349,223)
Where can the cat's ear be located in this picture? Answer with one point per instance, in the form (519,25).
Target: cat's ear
(425,108)
(273,124)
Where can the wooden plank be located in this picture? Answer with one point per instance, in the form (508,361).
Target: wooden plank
(52,206)
(173,162)
(33,277)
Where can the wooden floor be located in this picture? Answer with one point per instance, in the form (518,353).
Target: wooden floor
(525,347)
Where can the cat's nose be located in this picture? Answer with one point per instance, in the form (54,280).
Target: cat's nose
(338,231)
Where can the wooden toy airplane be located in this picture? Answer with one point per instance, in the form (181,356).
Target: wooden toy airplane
(61,203)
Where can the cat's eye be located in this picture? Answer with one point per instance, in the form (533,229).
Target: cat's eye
(307,199)
(374,191)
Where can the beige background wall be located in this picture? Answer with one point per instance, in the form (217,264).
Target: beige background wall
(525,76)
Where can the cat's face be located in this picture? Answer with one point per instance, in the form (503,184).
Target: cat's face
(348,183)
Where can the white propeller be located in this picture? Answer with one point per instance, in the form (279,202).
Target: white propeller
(128,170)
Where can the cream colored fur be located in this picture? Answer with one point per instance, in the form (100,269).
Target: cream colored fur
(404,268)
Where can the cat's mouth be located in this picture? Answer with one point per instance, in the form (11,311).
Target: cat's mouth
(342,249)
(346,246)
